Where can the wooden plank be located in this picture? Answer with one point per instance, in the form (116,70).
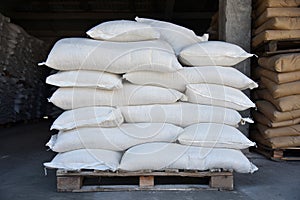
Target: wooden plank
(124,174)
(291,158)
(146,181)
(278,47)
(114,188)
(282,52)
(296,148)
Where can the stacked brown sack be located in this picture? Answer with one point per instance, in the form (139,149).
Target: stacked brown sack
(276,22)
(278,104)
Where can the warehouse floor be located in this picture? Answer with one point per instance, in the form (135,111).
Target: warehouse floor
(22,153)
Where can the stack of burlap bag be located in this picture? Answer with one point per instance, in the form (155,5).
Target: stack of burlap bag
(131,105)
(278,104)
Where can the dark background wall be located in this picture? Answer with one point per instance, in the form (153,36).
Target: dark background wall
(50,20)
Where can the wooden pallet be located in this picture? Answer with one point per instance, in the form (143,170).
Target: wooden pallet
(72,181)
(273,47)
(279,154)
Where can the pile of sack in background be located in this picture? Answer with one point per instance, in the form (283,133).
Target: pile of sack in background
(277,26)
(22,83)
(131,105)
(278,114)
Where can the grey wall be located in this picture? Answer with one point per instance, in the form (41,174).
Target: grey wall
(235,27)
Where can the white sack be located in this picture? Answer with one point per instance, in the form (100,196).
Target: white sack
(213,53)
(115,139)
(215,136)
(180,114)
(97,159)
(114,57)
(218,95)
(123,31)
(159,156)
(84,78)
(178,36)
(178,80)
(88,117)
(71,98)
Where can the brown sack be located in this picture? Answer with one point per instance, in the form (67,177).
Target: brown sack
(276,12)
(279,78)
(260,118)
(267,132)
(277,142)
(261,5)
(279,23)
(283,104)
(270,111)
(269,35)
(281,90)
(281,63)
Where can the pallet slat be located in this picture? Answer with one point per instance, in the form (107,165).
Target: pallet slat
(273,47)
(114,188)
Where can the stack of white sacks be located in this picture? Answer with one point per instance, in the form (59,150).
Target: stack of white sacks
(148,95)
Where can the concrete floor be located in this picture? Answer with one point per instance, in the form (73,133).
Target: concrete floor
(22,153)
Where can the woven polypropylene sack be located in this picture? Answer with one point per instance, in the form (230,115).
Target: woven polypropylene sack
(98,159)
(180,114)
(213,53)
(88,117)
(158,156)
(218,95)
(116,139)
(114,57)
(177,36)
(71,98)
(190,75)
(214,135)
(123,31)
(84,78)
